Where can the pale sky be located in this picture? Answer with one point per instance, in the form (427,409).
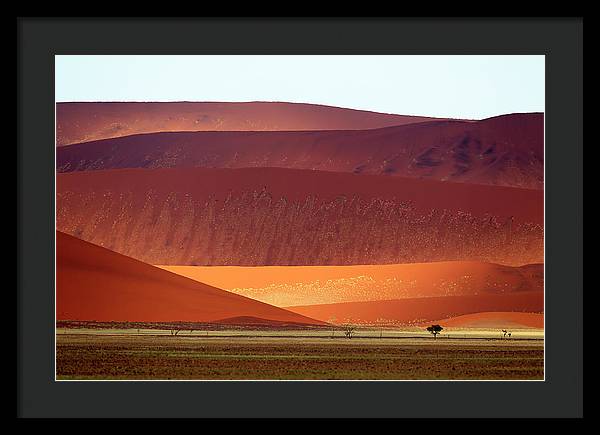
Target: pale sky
(472,87)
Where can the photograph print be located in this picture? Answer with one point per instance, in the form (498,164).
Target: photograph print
(299,217)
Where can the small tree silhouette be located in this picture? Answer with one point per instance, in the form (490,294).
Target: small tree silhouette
(435,330)
(349,330)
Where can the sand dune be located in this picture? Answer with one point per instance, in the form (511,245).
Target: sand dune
(308,285)
(93,283)
(505,150)
(419,310)
(80,122)
(271,216)
(509,319)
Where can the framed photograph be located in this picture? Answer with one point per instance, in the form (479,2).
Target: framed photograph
(312,218)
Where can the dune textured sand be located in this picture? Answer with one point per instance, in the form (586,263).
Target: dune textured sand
(273,216)
(93,283)
(419,310)
(307,285)
(505,150)
(80,122)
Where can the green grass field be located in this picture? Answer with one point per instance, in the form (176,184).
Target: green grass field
(133,354)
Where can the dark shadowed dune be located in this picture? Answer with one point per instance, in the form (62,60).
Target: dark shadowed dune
(505,150)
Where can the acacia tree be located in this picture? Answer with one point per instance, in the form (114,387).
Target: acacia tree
(435,330)
(349,330)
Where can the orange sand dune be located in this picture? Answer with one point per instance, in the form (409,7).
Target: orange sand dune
(501,319)
(419,310)
(80,122)
(93,283)
(274,216)
(505,150)
(310,285)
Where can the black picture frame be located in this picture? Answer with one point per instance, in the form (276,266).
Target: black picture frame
(560,40)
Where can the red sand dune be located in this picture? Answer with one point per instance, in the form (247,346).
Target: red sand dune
(419,310)
(80,122)
(505,150)
(310,285)
(500,319)
(270,216)
(93,283)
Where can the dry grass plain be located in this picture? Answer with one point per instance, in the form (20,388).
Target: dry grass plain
(296,355)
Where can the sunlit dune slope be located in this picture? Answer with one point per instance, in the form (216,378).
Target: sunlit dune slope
(304,285)
(509,319)
(419,310)
(273,216)
(79,122)
(505,150)
(93,283)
